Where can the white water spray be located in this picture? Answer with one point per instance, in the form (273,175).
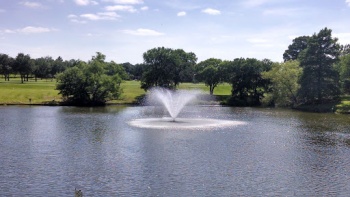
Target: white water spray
(173,101)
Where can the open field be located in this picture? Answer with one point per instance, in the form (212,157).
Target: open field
(31,92)
(43,91)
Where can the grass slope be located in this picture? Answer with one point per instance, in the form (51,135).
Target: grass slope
(43,91)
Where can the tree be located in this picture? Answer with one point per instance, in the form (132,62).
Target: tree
(299,44)
(23,65)
(248,85)
(128,67)
(6,63)
(345,50)
(138,70)
(163,67)
(42,67)
(209,72)
(88,83)
(57,66)
(320,81)
(343,67)
(284,78)
(113,68)
(186,68)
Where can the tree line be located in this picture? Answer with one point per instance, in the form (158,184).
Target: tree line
(316,70)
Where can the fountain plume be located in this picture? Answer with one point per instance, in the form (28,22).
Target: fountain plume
(173,101)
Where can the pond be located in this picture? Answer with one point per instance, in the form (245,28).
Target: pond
(53,150)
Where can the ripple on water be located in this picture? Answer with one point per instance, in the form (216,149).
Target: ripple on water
(183,123)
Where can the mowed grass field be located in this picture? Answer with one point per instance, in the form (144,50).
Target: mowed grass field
(44,91)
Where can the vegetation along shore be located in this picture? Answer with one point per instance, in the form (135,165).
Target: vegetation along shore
(315,76)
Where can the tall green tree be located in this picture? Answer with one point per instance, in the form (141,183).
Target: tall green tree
(343,67)
(57,66)
(23,65)
(248,85)
(284,79)
(345,50)
(88,83)
(42,67)
(186,69)
(6,64)
(299,44)
(319,81)
(209,72)
(163,67)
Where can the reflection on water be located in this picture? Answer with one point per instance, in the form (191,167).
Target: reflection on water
(52,150)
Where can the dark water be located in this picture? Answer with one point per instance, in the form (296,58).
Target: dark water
(49,151)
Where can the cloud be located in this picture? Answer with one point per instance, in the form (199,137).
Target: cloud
(2,10)
(181,14)
(125,1)
(211,11)
(255,3)
(143,32)
(344,38)
(348,2)
(75,19)
(34,30)
(98,16)
(7,31)
(144,8)
(31,4)
(126,8)
(85,2)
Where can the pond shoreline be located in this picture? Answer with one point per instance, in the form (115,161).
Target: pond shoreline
(309,109)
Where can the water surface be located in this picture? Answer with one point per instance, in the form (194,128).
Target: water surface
(52,150)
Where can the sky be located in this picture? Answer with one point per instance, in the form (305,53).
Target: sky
(125,29)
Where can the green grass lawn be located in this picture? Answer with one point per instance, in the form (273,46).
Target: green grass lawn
(43,91)
(344,105)
(31,92)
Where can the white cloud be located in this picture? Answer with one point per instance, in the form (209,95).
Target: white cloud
(125,1)
(78,21)
(72,16)
(144,8)
(33,30)
(99,16)
(211,11)
(31,4)
(85,2)
(348,2)
(181,14)
(254,3)
(344,38)
(2,10)
(75,19)
(126,8)
(143,32)
(7,31)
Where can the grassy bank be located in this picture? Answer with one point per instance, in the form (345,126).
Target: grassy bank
(344,106)
(43,91)
(31,92)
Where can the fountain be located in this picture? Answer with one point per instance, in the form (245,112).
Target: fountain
(174,102)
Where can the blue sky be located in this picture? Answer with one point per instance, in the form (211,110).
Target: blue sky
(124,29)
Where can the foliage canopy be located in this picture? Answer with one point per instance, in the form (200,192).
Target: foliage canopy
(89,83)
